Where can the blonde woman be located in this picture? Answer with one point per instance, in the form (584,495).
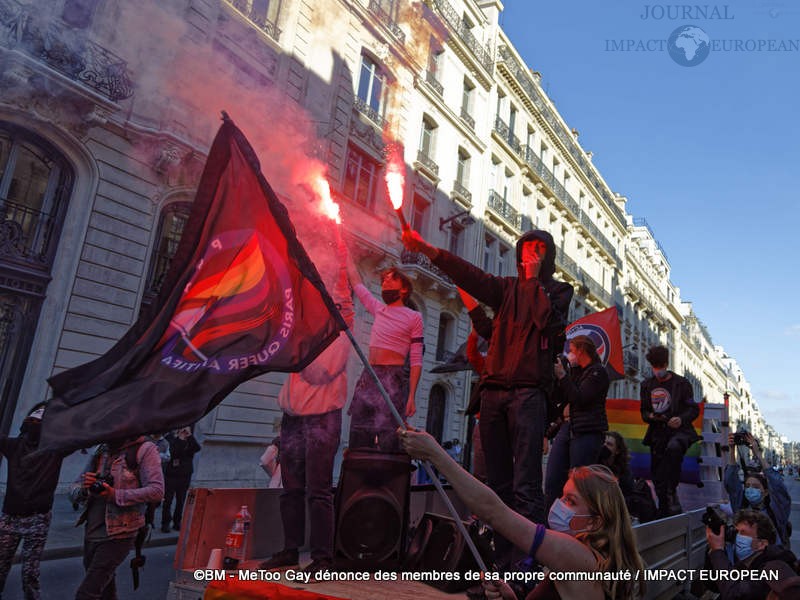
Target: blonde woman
(590,529)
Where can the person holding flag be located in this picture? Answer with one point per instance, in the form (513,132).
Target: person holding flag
(312,402)
(581,396)
(397,334)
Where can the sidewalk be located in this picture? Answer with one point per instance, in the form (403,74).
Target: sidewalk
(65,540)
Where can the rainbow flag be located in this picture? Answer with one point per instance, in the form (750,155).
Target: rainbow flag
(624,416)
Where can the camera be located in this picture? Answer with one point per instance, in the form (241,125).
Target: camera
(562,358)
(740,439)
(716,519)
(97,487)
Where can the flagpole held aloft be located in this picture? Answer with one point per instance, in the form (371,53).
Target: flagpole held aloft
(425,464)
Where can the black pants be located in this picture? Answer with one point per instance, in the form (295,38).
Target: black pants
(371,418)
(175,487)
(512,428)
(308,447)
(101,559)
(567,451)
(666,457)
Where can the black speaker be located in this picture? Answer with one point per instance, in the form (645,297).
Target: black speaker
(438,546)
(371,505)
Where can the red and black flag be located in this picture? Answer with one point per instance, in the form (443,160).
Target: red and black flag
(603,329)
(241,298)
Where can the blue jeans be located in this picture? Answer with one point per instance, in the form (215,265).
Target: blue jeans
(567,451)
(308,447)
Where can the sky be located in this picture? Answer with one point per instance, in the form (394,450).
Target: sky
(708,154)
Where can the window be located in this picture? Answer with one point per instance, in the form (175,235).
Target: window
(462,168)
(419,215)
(171,224)
(504,266)
(512,119)
(427,137)
(435,60)
(467,95)
(263,13)
(489,253)
(360,177)
(78,13)
(443,337)
(455,239)
(370,84)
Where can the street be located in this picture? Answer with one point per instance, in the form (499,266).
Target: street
(60,577)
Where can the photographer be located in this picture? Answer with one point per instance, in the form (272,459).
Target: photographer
(762,491)
(582,393)
(118,483)
(754,547)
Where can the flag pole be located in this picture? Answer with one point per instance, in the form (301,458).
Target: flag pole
(425,464)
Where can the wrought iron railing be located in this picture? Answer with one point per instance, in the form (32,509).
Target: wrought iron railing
(384,17)
(502,208)
(417,258)
(55,45)
(369,112)
(24,232)
(257,17)
(427,162)
(507,135)
(461,190)
(631,360)
(430,77)
(526,81)
(597,290)
(568,265)
(456,23)
(642,222)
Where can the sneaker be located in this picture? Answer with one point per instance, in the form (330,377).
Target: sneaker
(317,566)
(284,558)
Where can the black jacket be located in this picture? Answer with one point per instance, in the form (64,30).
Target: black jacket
(529,322)
(748,589)
(32,481)
(682,405)
(181,453)
(585,389)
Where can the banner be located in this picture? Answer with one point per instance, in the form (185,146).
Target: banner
(241,298)
(603,329)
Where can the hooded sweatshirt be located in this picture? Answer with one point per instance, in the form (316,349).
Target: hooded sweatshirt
(32,476)
(530,316)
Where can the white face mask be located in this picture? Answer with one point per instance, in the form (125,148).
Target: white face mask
(572,359)
(560,518)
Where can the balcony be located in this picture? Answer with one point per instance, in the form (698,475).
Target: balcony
(25,233)
(257,16)
(376,9)
(420,260)
(631,361)
(55,45)
(426,163)
(456,23)
(430,77)
(568,265)
(505,134)
(369,112)
(467,118)
(503,209)
(462,193)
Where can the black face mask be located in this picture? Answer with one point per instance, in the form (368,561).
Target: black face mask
(31,429)
(390,296)
(605,454)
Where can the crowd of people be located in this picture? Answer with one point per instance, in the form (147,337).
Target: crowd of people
(530,399)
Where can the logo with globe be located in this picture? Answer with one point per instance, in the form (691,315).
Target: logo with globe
(689,45)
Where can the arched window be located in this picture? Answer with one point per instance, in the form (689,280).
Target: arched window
(444,337)
(174,217)
(35,187)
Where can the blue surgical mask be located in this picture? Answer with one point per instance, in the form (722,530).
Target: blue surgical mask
(659,373)
(753,495)
(744,546)
(561,516)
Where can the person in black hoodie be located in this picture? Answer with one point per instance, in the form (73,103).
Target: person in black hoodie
(668,406)
(29,499)
(755,550)
(582,396)
(177,476)
(530,317)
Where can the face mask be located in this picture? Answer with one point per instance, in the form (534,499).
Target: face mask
(660,373)
(753,495)
(744,546)
(561,516)
(390,296)
(605,454)
(573,360)
(32,429)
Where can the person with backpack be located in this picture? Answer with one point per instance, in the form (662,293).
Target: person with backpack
(530,314)
(119,482)
(28,503)
(177,476)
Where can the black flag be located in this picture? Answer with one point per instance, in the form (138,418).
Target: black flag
(241,298)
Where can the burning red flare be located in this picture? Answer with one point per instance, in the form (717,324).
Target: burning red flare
(396,178)
(327,205)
